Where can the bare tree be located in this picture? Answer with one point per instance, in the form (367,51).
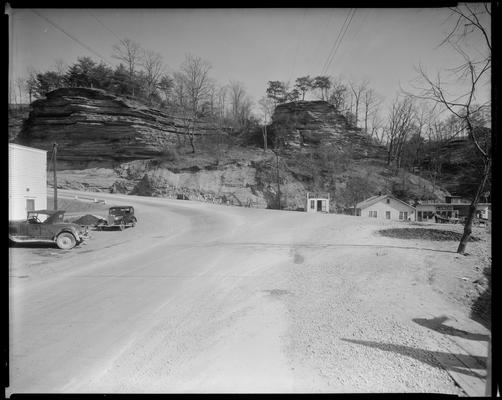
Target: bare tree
(20,85)
(358,90)
(338,95)
(399,125)
(195,71)
(237,93)
(267,108)
(371,103)
(197,85)
(129,52)
(221,101)
(465,106)
(153,66)
(60,67)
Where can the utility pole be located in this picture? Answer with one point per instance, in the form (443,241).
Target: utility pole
(278,184)
(54,165)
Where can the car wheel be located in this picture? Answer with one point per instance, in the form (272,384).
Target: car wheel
(66,241)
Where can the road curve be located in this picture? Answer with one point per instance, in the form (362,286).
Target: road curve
(118,314)
(209,298)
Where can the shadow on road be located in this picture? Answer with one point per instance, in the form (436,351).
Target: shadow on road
(436,324)
(461,363)
(33,245)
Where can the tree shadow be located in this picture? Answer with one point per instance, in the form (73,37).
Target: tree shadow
(481,307)
(460,363)
(436,324)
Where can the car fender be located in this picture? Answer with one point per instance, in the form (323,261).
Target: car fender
(68,230)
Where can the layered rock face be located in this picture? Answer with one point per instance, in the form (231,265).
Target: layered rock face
(307,124)
(94,128)
(108,143)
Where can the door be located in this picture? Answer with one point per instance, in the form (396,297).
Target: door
(30,205)
(319,205)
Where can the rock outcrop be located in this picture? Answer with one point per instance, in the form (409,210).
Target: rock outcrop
(108,143)
(304,124)
(94,128)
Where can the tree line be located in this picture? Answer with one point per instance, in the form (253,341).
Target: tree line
(141,75)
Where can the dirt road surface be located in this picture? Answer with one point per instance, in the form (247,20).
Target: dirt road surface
(209,298)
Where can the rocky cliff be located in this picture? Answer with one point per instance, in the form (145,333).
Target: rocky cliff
(94,128)
(107,143)
(310,124)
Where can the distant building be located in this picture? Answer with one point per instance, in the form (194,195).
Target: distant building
(453,207)
(27,180)
(318,202)
(386,207)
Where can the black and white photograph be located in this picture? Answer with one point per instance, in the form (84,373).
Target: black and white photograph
(250,200)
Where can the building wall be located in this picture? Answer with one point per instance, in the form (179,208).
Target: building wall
(325,204)
(393,207)
(27,180)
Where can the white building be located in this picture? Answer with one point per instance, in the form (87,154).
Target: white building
(318,202)
(27,180)
(386,207)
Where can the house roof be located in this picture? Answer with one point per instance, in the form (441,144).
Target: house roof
(375,199)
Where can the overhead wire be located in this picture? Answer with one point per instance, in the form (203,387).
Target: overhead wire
(104,26)
(341,40)
(72,37)
(335,42)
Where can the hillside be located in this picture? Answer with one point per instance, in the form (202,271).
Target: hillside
(107,143)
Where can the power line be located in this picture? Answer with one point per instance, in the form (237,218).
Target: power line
(341,39)
(335,42)
(72,37)
(103,25)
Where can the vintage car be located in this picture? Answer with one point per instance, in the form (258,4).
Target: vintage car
(47,226)
(118,217)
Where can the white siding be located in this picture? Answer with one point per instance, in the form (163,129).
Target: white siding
(27,179)
(312,205)
(394,207)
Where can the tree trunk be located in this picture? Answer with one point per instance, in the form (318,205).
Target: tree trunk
(472,209)
(192,142)
(265,138)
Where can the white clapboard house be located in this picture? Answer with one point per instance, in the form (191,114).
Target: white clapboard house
(27,180)
(386,207)
(318,202)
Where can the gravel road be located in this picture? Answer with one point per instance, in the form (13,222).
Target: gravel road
(207,298)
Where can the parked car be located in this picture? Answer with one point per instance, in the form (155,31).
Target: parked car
(47,226)
(118,217)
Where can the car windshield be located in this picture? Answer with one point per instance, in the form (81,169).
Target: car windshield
(44,218)
(119,211)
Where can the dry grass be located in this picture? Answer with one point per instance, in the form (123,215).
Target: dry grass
(424,234)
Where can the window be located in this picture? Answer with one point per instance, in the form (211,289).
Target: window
(400,215)
(372,214)
(387,214)
(388,201)
(405,215)
(312,204)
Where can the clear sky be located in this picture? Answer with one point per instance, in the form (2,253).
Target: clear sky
(248,45)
